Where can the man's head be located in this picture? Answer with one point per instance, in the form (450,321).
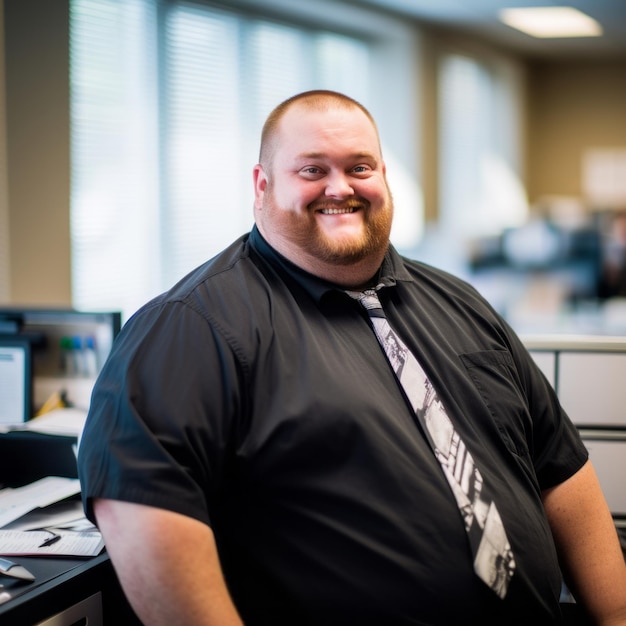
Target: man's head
(321,195)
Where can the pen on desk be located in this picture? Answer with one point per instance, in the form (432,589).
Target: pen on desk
(50,541)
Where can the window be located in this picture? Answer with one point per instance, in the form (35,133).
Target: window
(168,99)
(115,208)
(480,147)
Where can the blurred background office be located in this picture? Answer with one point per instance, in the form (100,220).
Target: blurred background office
(128,130)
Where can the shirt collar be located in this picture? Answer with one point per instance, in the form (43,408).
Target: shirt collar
(392,269)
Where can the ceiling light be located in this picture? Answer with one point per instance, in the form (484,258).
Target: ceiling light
(550,22)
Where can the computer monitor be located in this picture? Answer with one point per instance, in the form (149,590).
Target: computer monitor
(15,380)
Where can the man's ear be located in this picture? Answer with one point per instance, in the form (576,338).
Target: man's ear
(260,183)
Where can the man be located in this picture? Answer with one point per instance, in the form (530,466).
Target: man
(250,455)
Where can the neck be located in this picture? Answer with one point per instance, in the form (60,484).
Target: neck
(353,277)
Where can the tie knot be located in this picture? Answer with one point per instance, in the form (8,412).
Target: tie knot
(368,299)
(370,302)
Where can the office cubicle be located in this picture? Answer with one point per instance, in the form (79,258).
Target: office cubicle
(589,376)
(67,348)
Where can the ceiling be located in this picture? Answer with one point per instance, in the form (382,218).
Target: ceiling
(480,19)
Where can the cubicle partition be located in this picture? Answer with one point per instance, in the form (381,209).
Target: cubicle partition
(589,376)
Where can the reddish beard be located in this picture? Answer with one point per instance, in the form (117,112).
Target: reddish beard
(303,230)
(298,229)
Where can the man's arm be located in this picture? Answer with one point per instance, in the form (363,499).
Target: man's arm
(589,550)
(167,564)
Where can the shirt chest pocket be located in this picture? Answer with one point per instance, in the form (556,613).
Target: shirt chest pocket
(495,378)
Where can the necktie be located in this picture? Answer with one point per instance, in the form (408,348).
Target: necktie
(493,558)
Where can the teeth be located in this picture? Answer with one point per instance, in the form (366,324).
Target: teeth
(336,211)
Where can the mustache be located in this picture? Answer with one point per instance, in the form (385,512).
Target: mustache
(350,203)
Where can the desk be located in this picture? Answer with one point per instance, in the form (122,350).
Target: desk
(61,584)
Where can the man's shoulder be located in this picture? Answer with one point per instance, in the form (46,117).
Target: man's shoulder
(234,259)
(217,278)
(222,291)
(427,274)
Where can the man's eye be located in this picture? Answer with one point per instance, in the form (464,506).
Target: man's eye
(311,171)
(360,169)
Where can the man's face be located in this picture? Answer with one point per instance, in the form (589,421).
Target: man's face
(325,198)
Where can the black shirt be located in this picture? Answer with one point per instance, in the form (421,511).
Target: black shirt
(255,398)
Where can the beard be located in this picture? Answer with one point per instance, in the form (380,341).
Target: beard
(303,230)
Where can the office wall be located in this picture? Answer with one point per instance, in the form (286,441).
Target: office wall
(573,105)
(4,196)
(36,37)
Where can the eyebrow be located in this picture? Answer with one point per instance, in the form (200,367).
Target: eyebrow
(322,155)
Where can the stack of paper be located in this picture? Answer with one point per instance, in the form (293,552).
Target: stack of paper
(46,518)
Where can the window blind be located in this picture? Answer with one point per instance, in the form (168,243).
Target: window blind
(168,99)
(114,216)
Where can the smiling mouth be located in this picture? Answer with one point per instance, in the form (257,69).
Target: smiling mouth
(338,211)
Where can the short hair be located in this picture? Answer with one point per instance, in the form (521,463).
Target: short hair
(315,100)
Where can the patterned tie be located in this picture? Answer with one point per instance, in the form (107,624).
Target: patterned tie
(493,558)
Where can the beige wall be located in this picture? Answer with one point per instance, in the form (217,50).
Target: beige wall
(572,106)
(36,34)
(4,195)
(428,125)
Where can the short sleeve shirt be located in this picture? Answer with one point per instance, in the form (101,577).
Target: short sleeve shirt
(255,398)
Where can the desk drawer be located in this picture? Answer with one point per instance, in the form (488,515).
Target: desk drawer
(88,612)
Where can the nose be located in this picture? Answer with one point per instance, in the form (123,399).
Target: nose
(338,185)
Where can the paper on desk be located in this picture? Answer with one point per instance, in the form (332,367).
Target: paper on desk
(67,514)
(28,543)
(63,421)
(17,502)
